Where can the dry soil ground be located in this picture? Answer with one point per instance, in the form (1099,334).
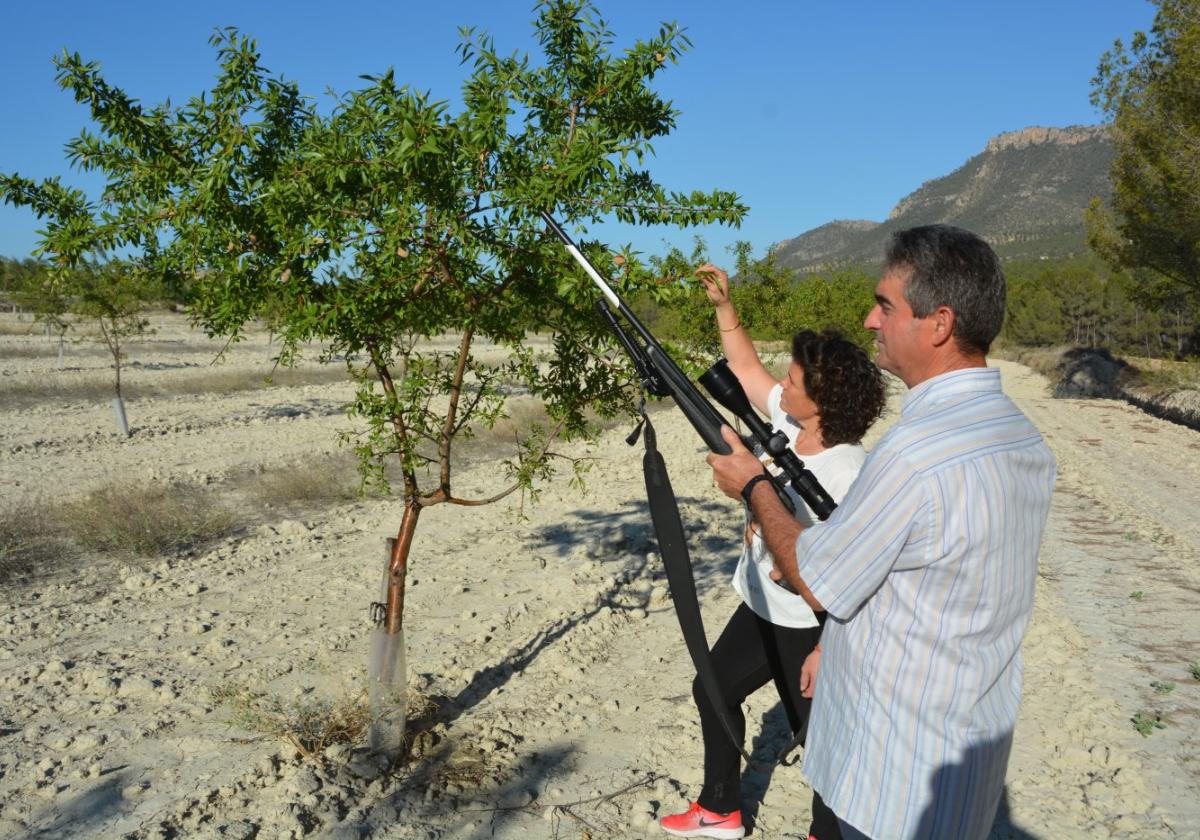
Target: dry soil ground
(546,668)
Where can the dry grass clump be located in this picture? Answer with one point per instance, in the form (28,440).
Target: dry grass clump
(217,380)
(525,412)
(20,327)
(145,520)
(194,346)
(31,542)
(38,538)
(97,385)
(36,350)
(1140,373)
(309,725)
(319,482)
(131,520)
(522,414)
(1165,374)
(54,389)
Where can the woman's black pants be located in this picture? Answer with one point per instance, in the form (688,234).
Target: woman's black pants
(750,653)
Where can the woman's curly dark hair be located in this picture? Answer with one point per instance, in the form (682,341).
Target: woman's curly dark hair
(841,379)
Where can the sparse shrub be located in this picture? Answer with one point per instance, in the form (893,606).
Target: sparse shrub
(1147,722)
(321,481)
(520,415)
(30,542)
(1194,670)
(221,381)
(1161,374)
(309,725)
(31,350)
(1162,687)
(145,520)
(20,328)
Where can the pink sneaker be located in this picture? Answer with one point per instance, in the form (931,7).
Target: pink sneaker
(701,822)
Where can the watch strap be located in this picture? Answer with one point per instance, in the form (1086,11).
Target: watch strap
(749,488)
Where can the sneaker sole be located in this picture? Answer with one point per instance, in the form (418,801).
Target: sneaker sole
(718,833)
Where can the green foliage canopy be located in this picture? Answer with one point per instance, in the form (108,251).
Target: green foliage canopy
(772,302)
(1082,301)
(1151,90)
(392,219)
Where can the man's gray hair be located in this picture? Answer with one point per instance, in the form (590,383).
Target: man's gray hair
(955,268)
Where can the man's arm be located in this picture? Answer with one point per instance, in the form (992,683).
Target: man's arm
(779,529)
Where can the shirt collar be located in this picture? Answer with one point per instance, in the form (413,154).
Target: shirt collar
(946,386)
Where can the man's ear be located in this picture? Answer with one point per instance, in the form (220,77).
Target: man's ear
(943,325)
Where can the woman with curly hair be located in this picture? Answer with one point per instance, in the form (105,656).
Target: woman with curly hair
(831,395)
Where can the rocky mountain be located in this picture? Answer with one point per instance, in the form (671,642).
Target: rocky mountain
(1024,193)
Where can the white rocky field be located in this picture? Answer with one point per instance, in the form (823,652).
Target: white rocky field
(151,696)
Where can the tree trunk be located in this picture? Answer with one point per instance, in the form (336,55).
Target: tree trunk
(397,570)
(118,405)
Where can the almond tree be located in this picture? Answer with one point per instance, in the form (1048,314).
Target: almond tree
(112,297)
(391,219)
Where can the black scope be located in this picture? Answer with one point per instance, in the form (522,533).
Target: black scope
(723,385)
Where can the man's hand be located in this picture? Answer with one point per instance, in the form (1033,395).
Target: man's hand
(808,672)
(732,471)
(779,528)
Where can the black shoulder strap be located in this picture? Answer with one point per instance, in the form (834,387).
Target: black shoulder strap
(672,545)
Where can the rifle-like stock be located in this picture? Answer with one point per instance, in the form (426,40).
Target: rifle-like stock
(656,367)
(662,377)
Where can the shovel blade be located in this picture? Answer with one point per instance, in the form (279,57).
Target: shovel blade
(388,687)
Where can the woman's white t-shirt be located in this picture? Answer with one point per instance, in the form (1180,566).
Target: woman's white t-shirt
(836,468)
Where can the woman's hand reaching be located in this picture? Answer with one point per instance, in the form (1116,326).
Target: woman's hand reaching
(716,283)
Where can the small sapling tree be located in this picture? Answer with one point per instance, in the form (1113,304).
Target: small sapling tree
(29,291)
(110,296)
(391,220)
(113,296)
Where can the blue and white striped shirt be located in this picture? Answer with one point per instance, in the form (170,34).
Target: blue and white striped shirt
(927,570)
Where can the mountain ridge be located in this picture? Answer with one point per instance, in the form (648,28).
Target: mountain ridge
(1024,193)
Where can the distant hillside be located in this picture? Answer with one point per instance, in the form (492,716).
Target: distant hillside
(1024,193)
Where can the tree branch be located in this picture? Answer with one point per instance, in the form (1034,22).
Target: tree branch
(398,427)
(447,435)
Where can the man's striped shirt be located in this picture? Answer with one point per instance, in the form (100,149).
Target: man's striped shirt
(927,571)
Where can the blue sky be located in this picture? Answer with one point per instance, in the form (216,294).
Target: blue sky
(809,111)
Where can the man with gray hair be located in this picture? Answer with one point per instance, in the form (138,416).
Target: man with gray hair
(927,568)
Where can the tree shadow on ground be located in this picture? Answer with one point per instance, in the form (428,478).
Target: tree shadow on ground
(714,551)
(84,813)
(621,541)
